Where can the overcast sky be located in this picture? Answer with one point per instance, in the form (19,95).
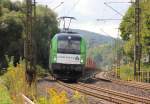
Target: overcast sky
(87,11)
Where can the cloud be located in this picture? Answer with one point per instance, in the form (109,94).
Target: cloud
(103,28)
(110,29)
(89,7)
(87,11)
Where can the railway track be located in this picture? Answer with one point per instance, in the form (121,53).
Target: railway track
(108,95)
(140,85)
(119,94)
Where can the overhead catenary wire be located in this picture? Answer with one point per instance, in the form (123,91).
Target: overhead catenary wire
(67,16)
(75,4)
(48,3)
(120,2)
(102,30)
(113,9)
(111,19)
(58,5)
(107,19)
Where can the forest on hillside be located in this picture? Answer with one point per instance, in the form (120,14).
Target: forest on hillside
(12,31)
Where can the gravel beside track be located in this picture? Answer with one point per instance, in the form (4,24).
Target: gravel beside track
(128,97)
(43,86)
(100,94)
(101,82)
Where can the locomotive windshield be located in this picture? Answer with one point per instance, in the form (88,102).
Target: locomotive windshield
(69,46)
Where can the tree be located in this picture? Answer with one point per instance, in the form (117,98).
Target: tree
(127,28)
(45,24)
(10,34)
(12,31)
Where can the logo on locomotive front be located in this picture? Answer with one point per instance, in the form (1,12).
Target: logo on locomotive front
(77,58)
(68,58)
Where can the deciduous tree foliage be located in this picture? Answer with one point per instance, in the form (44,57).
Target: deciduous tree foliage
(12,31)
(45,25)
(127,28)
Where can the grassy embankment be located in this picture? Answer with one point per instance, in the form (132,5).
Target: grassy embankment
(4,95)
(13,84)
(127,72)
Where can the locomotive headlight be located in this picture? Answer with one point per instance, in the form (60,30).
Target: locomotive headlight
(54,58)
(81,61)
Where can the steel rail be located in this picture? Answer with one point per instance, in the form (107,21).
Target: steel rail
(143,86)
(98,94)
(132,84)
(120,94)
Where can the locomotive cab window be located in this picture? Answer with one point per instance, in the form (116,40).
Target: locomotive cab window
(69,46)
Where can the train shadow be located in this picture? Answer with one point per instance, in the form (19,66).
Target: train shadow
(93,80)
(69,81)
(89,80)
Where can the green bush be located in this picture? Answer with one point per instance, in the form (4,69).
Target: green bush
(15,81)
(4,95)
(126,72)
(41,72)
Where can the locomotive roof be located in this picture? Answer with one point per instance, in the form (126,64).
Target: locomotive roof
(75,35)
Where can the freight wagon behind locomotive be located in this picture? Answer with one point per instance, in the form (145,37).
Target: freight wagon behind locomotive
(67,56)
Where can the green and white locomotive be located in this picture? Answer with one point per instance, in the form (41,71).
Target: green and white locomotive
(67,56)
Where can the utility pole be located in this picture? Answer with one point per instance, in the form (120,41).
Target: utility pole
(118,55)
(28,47)
(137,44)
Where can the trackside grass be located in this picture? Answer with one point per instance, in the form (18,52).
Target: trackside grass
(127,72)
(55,97)
(4,95)
(14,84)
(14,81)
